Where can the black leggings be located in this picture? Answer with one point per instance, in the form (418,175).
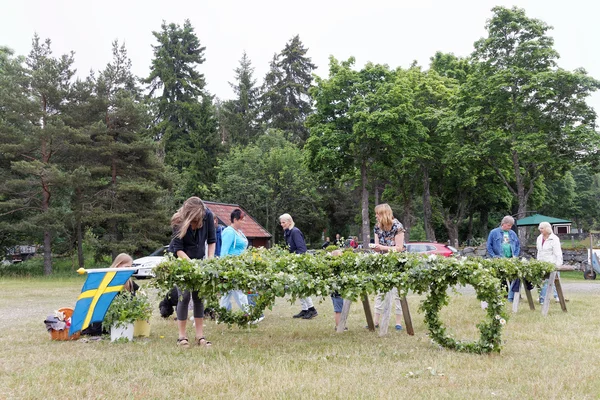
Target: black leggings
(184,301)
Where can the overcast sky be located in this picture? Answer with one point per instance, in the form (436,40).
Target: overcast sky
(393,32)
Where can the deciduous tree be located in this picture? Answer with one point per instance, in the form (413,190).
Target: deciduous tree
(525,116)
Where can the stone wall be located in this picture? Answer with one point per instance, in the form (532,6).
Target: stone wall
(577,258)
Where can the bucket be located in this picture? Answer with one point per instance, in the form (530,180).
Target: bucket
(141,328)
(121,331)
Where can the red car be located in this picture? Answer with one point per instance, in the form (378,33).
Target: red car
(431,248)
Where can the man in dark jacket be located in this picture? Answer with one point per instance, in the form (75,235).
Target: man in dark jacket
(296,244)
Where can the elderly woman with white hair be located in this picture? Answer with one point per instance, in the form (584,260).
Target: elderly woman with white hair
(548,249)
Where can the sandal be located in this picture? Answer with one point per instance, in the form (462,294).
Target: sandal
(183,342)
(203,342)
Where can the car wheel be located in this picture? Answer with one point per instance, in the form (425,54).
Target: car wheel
(589,275)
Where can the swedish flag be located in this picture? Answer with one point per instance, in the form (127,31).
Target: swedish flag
(98,291)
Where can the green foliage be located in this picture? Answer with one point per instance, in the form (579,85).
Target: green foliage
(61,266)
(277,273)
(35,142)
(363,119)
(239,117)
(285,101)
(184,116)
(128,181)
(269,178)
(520,113)
(127,308)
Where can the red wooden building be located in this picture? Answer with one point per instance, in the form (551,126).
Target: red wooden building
(256,234)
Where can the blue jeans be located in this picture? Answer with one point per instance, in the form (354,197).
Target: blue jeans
(338,302)
(252,300)
(239,297)
(515,286)
(545,288)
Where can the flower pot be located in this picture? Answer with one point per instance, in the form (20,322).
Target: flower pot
(141,328)
(121,331)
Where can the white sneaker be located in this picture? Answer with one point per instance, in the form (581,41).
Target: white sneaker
(256,321)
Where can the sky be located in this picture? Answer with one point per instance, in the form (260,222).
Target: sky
(393,32)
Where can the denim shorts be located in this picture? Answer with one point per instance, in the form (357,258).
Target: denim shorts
(338,302)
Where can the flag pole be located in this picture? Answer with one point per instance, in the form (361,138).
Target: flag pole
(82,271)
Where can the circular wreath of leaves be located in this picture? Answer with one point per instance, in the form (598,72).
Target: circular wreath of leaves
(487,287)
(276,273)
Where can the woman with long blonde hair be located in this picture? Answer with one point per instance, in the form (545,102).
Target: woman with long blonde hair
(193,232)
(124,260)
(389,236)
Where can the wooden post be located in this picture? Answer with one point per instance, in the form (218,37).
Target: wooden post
(344,316)
(554,279)
(407,319)
(368,315)
(549,293)
(559,291)
(529,297)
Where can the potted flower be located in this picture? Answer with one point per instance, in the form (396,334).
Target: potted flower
(141,326)
(123,312)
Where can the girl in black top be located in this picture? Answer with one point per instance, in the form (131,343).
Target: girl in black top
(193,232)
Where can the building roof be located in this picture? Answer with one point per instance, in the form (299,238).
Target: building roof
(537,218)
(250,227)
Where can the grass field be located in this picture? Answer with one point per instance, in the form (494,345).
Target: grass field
(554,357)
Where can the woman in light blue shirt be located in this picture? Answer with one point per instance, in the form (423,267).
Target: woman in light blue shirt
(234,243)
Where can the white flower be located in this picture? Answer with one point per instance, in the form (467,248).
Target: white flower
(502,321)
(498,317)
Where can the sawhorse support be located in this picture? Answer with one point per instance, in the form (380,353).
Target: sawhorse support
(515,304)
(553,280)
(383,326)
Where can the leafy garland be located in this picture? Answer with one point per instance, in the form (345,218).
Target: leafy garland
(277,273)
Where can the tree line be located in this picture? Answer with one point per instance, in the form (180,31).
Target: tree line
(106,159)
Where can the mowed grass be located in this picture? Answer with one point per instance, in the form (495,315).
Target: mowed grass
(283,358)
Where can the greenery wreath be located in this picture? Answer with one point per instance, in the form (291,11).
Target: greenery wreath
(276,273)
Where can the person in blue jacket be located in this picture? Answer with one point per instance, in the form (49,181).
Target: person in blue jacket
(234,243)
(219,232)
(296,244)
(503,242)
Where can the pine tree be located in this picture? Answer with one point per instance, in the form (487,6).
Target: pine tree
(127,212)
(286,102)
(184,116)
(36,142)
(239,121)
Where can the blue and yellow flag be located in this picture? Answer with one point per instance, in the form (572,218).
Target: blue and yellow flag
(98,291)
